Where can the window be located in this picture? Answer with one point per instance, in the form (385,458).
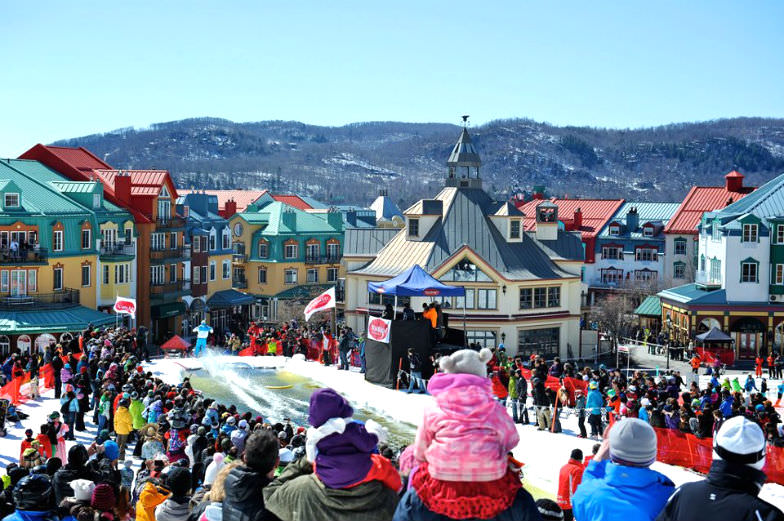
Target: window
(213,268)
(486,298)
(679,270)
(748,271)
(540,297)
(290,251)
(646,254)
(413,227)
(680,246)
(263,249)
(57,240)
(57,279)
(716,231)
(332,274)
(778,275)
(312,275)
(226,239)
(702,263)
(526,298)
(172,273)
(262,275)
(226,269)
(11,200)
(483,338)
(615,230)
(290,276)
(333,250)
(715,270)
(465,271)
(213,240)
(554,297)
(749,233)
(105,277)
(514,229)
(312,251)
(780,234)
(128,233)
(544,342)
(645,275)
(32,281)
(611,276)
(4,281)
(203,274)
(96,201)
(86,239)
(85,275)
(122,274)
(164,209)
(173,240)
(647,231)
(157,275)
(108,238)
(196,272)
(612,252)
(158,241)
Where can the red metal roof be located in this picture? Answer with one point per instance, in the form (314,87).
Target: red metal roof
(292,200)
(596,213)
(699,200)
(143,182)
(80,158)
(242,197)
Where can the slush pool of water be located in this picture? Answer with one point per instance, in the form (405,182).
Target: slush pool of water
(278,394)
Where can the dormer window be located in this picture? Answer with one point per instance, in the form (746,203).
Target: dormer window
(413,227)
(647,231)
(11,200)
(514,229)
(750,233)
(615,229)
(96,201)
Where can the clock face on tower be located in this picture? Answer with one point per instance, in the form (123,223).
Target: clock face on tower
(237,229)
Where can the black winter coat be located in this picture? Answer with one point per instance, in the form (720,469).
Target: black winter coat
(244,500)
(728,494)
(61,481)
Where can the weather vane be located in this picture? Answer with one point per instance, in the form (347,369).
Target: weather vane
(465,120)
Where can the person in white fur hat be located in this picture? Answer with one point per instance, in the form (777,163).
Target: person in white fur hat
(733,483)
(83,492)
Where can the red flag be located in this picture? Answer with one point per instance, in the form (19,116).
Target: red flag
(46,374)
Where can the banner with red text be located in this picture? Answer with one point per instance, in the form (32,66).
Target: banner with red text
(379,329)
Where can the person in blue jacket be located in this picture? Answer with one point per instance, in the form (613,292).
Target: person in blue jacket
(34,500)
(618,483)
(726,404)
(594,403)
(750,384)
(203,331)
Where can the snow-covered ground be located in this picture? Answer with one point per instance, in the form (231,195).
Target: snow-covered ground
(542,452)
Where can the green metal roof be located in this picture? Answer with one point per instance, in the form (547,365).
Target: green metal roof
(170,309)
(302,291)
(694,294)
(228,298)
(303,222)
(650,307)
(34,321)
(38,197)
(765,201)
(646,212)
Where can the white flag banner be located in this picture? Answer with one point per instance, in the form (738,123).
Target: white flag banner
(324,301)
(125,305)
(379,329)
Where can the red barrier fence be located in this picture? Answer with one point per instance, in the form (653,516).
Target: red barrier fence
(14,392)
(686,450)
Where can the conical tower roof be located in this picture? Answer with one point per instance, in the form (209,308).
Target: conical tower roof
(464,153)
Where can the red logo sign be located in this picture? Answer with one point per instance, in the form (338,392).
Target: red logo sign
(378,330)
(432,292)
(320,301)
(125,306)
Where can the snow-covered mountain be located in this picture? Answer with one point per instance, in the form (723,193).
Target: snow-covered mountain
(351,163)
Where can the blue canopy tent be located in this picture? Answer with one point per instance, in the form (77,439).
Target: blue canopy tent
(416,282)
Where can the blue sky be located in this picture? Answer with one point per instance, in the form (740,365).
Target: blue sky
(76,68)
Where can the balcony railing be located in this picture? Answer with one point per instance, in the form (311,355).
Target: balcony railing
(168,253)
(704,278)
(239,258)
(239,282)
(322,259)
(173,221)
(163,288)
(57,300)
(24,256)
(117,249)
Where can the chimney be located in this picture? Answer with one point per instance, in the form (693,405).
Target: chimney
(734,181)
(539,191)
(632,220)
(230,208)
(578,218)
(122,187)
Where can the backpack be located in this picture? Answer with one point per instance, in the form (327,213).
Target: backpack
(66,406)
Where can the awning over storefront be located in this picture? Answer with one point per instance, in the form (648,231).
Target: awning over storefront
(650,307)
(307,291)
(171,309)
(73,318)
(229,298)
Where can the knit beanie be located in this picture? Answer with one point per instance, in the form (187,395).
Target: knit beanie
(633,443)
(740,440)
(466,361)
(212,469)
(103,498)
(111,450)
(178,481)
(326,404)
(83,489)
(549,510)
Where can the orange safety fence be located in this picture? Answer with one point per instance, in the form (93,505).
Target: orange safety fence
(687,450)
(15,390)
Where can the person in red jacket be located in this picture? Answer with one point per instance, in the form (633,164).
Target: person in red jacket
(570,476)
(500,390)
(758,366)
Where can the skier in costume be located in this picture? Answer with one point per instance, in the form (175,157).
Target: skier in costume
(202,332)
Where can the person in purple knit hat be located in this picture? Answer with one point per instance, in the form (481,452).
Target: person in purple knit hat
(352,481)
